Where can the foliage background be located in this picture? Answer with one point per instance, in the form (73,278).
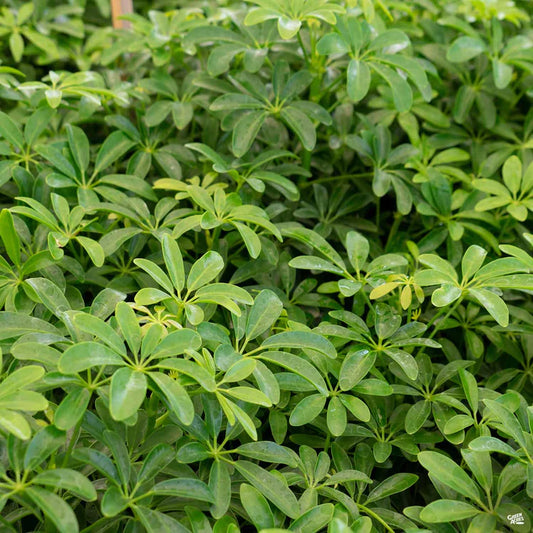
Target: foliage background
(266,265)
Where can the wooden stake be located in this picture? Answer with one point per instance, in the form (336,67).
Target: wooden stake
(118,8)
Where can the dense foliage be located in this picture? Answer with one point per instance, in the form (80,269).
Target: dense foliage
(266,265)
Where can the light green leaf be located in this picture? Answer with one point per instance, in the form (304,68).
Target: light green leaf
(115,146)
(59,512)
(447,511)
(449,473)
(465,48)
(86,355)
(270,486)
(67,479)
(257,507)
(301,125)
(127,393)
(205,270)
(358,79)
(246,130)
(303,340)
(496,307)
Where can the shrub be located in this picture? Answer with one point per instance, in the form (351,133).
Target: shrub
(267,265)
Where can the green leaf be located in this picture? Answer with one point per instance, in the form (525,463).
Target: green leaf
(301,125)
(157,522)
(311,262)
(220,486)
(358,79)
(449,473)
(72,408)
(86,355)
(401,91)
(268,452)
(9,236)
(114,502)
(16,45)
(483,523)
(37,123)
(358,249)
(394,484)
(307,410)
(416,416)
(314,519)
(249,394)
(465,48)
(58,160)
(481,466)
(127,393)
(156,273)
(512,174)
(158,458)
(357,407)
(336,417)
(10,131)
(120,454)
(509,423)
(182,114)
(265,311)
(239,370)
(355,367)
(59,512)
(257,507)
(44,443)
(157,112)
(246,130)
(496,307)
(20,379)
(184,488)
(316,241)
(129,326)
(445,295)
(205,270)
(101,330)
(299,366)
(193,370)
(303,340)
(492,444)
(270,486)
(67,479)
(50,295)
(93,249)
(177,343)
(332,43)
(472,260)
(114,147)
(15,424)
(176,396)
(174,262)
(79,146)
(468,381)
(447,511)
(405,360)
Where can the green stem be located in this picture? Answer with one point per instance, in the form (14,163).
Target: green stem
(377,517)
(72,443)
(378,213)
(446,316)
(326,444)
(306,55)
(394,229)
(439,325)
